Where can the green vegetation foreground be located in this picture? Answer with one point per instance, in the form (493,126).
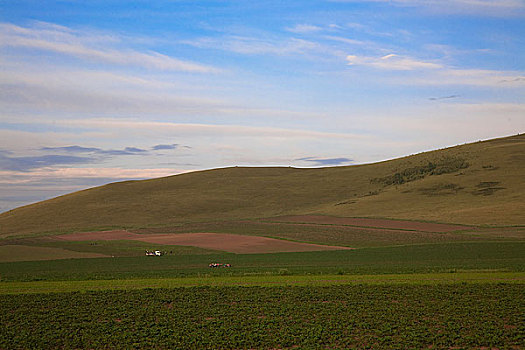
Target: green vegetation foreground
(358,316)
(36,287)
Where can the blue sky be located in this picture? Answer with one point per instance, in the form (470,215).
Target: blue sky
(100,91)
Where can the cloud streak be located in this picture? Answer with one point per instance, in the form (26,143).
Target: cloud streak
(63,40)
(35,162)
(164,147)
(40,174)
(128,151)
(391,62)
(326,161)
(249,45)
(436,73)
(443,97)
(98,92)
(468,77)
(68,155)
(192,129)
(304,29)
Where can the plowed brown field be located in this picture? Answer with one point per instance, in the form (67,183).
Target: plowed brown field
(216,241)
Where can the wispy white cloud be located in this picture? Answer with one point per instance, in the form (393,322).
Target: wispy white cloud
(496,111)
(391,62)
(106,101)
(346,40)
(52,76)
(467,77)
(17,177)
(189,130)
(60,90)
(63,40)
(419,72)
(481,77)
(21,98)
(33,162)
(449,51)
(304,29)
(316,161)
(256,45)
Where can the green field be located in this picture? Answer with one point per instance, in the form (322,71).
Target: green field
(442,296)
(399,289)
(118,248)
(263,280)
(326,234)
(443,316)
(9,253)
(345,235)
(503,256)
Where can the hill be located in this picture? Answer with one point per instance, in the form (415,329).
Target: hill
(477,184)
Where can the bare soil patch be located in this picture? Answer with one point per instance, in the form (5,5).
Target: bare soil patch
(366,222)
(236,243)
(216,241)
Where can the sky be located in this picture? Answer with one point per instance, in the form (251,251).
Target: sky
(93,92)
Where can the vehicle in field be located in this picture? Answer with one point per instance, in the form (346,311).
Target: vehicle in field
(213,265)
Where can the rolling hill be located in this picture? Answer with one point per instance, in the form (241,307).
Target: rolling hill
(481,183)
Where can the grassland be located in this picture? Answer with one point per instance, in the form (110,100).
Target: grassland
(479,183)
(118,248)
(9,253)
(428,258)
(405,286)
(344,235)
(263,280)
(442,316)
(323,234)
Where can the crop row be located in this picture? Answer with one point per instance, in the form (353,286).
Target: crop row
(397,316)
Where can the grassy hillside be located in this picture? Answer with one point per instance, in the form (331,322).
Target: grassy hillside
(479,183)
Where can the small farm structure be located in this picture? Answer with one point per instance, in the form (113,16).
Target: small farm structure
(153,253)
